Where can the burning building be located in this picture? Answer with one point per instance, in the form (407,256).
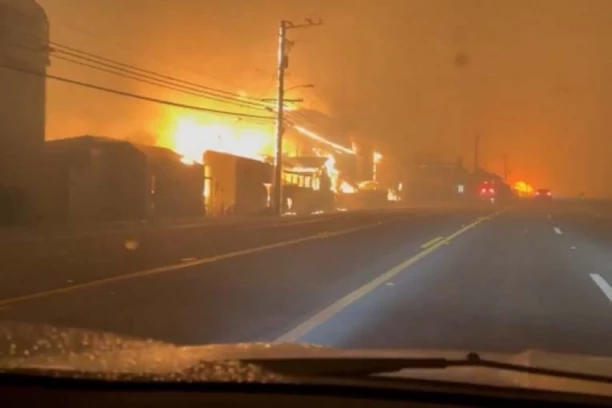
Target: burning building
(309,184)
(24,58)
(174,187)
(235,185)
(237,157)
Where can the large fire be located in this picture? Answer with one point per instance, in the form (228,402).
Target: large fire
(192,135)
(523,188)
(191,139)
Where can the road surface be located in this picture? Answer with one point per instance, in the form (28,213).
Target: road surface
(490,278)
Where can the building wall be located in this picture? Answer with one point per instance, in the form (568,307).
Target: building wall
(251,179)
(90,180)
(235,185)
(175,189)
(220,193)
(24,34)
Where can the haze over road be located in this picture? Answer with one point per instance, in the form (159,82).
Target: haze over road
(484,278)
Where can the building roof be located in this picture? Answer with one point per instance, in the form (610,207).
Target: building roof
(85,139)
(86,142)
(157,152)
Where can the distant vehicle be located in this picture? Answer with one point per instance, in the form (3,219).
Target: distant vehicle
(543,194)
(488,191)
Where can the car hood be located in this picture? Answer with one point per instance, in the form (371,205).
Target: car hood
(75,352)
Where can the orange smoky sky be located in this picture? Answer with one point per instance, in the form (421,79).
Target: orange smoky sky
(532,77)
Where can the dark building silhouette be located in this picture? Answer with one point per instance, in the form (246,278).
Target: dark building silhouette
(175,189)
(95,179)
(24,58)
(434,179)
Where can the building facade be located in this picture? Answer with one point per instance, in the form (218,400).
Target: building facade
(24,58)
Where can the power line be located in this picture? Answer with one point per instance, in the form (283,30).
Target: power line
(155,82)
(135,96)
(23,32)
(208,92)
(168,85)
(157,57)
(93,57)
(127,73)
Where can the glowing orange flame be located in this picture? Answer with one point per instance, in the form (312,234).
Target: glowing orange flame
(523,188)
(191,139)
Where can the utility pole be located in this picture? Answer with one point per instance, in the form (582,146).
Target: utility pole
(282,66)
(476,152)
(505,168)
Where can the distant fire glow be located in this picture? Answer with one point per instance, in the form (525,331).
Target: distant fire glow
(523,188)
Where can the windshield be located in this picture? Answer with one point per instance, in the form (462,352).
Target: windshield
(360,175)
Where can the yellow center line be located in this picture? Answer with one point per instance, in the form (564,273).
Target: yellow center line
(431,242)
(186,264)
(324,315)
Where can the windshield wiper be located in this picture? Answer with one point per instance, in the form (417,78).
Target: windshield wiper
(363,367)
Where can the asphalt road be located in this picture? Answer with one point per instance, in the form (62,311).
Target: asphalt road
(487,279)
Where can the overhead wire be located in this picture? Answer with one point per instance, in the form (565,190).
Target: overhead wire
(34,46)
(109,65)
(71,26)
(132,95)
(74,52)
(202,91)
(162,84)
(132,72)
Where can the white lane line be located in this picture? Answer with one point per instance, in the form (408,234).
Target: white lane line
(330,311)
(603,285)
(558,230)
